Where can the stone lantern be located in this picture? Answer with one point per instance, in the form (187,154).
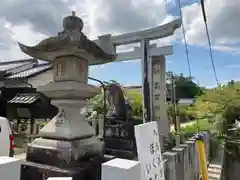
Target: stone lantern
(67,138)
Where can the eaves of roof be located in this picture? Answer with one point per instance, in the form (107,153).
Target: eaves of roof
(32,72)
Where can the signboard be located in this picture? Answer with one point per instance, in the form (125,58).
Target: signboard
(149,151)
(159,91)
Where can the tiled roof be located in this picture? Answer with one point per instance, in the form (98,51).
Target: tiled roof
(18,61)
(9,66)
(30,72)
(24,98)
(5,67)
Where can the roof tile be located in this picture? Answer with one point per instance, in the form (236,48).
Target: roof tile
(30,72)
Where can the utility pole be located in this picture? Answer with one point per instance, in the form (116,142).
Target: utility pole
(146,87)
(173,100)
(174,111)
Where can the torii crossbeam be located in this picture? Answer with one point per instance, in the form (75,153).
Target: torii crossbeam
(155,57)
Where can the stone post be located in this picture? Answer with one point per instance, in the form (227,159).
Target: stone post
(192,158)
(159,103)
(121,169)
(171,165)
(180,163)
(187,173)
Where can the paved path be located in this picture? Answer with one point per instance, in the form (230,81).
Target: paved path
(215,168)
(184,124)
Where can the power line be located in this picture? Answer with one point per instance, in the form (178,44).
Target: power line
(166,7)
(185,41)
(209,41)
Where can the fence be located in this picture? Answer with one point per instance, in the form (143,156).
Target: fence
(179,164)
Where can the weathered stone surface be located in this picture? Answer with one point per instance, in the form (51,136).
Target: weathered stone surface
(69,89)
(196,161)
(67,140)
(63,153)
(88,169)
(68,124)
(119,138)
(192,158)
(180,163)
(187,173)
(171,165)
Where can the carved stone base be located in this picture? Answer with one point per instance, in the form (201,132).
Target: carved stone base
(68,124)
(86,170)
(63,154)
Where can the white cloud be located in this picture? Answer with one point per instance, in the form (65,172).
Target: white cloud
(223,23)
(44,19)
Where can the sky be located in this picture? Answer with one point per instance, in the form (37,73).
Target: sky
(29,22)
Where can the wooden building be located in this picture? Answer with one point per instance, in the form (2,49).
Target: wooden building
(19,100)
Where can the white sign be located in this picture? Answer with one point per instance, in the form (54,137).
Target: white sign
(149,151)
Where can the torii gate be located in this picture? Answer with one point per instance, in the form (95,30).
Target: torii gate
(155,57)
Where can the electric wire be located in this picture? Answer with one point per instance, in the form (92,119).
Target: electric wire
(184,38)
(166,7)
(209,41)
(187,54)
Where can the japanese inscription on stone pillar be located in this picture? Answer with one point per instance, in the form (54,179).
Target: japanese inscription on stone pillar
(158,71)
(159,106)
(149,151)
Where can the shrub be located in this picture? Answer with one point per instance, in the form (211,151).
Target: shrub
(191,130)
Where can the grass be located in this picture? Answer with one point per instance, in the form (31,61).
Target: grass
(204,125)
(190,130)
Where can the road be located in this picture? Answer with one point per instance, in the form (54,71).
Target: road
(215,168)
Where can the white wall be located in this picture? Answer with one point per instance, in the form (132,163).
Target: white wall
(41,79)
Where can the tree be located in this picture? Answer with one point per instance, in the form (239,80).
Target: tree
(135,98)
(214,101)
(185,87)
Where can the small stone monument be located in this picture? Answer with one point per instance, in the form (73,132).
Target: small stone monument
(67,140)
(119,125)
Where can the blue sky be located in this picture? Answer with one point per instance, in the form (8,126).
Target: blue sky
(129,72)
(43,20)
(226,63)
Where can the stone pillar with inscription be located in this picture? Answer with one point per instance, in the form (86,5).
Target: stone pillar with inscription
(68,138)
(159,102)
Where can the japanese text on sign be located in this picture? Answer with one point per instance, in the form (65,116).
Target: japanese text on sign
(157,90)
(149,151)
